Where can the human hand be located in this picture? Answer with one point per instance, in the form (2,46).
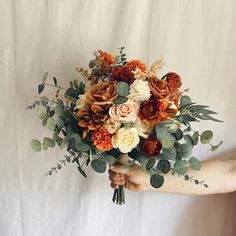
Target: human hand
(133,177)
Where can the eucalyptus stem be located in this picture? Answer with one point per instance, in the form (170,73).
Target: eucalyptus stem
(55,86)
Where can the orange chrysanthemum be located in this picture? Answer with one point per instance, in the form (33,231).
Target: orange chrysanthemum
(102,139)
(134,64)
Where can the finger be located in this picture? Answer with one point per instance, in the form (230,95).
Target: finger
(116,178)
(115,186)
(119,168)
(119,182)
(116,175)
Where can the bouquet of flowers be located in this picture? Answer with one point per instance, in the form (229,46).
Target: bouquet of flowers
(122,107)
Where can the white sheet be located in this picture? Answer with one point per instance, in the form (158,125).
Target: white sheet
(195,38)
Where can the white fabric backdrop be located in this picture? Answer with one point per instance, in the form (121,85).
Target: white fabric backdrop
(195,38)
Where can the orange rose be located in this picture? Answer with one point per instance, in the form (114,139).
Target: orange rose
(151,146)
(159,87)
(99,99)
(124,74)
(134,64)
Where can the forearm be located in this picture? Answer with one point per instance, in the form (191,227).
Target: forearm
(219,175)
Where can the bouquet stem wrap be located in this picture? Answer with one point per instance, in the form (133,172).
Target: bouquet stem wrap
(119,193)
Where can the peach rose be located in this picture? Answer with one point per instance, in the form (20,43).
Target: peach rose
(159,87)
(126,112)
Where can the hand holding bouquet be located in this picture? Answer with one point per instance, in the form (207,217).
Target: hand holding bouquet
(121,107)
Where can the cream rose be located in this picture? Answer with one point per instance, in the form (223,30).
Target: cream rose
(139,90)
(125,139)
(112,125)
(126,112)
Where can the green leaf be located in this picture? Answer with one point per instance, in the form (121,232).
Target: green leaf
(99,165)
(185,150)
(42,111)
(49,142)
(45,76)
(147,162)
(82,147)
(156,180)
(188,118)
(168,141)
(59,122)
(36,145)
(51,123)
(168,154)
(178,134)
(194,163)
(122,89)
(59,110)
(195,108)
(214,148)
(82,171)
(40,88)
(208,117)
(180,167)
(184,100)
(164,166)
(161,132)
(188,139)
(195,138)
(206,136)
(65,142)
(110,159)
(120,100)
(55,81)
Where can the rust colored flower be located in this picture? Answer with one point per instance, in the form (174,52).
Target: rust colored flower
(107,58)
(159,88)
(134,64)
(149,110)
(102,139)
(173,80)
(151,146)
(124,74)
(153,111)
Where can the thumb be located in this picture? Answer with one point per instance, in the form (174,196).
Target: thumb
(119,168)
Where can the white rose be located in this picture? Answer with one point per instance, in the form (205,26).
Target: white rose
(125,139)
(126,112)
(142,131)
(139,90)
(81,102)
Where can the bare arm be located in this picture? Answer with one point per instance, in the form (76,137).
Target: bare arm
(219,175)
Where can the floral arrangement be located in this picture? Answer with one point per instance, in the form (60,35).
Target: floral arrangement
(122,107)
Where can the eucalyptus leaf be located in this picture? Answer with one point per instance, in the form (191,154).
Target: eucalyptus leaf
(51,123)
(82,147)
(36,145)
(188,139)
(206,136)
(185,150)
(180,167)
(161,132)
(45,76)
(164,166)
(42,111)
(195,138)
(49,142)
(59,122)
(110,159)
(214,148)
(59,110)
(147,162)
(120,100)
(168,141)
(99,165)
(122,89)
(157,180)
(40,88)
(194,163)
(168,154)
(65,142)
(184,100)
